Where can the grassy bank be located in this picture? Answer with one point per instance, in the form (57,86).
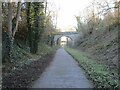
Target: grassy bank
(98,72)
(22,56)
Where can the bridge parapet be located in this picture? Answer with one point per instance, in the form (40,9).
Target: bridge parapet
(66,33)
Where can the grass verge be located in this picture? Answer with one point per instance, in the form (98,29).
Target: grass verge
(98,73)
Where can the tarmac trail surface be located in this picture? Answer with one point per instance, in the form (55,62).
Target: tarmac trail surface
(63,72)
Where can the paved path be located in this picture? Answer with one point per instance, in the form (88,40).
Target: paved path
(63,72)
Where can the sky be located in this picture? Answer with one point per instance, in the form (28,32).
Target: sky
(67,10)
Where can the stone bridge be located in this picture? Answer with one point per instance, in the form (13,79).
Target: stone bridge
(71,35)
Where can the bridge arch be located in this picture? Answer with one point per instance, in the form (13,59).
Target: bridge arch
(71,35)
(58,38)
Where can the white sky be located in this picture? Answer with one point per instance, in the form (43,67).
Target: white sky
(67,11)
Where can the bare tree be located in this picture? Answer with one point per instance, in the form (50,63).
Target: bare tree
(45,6)
(11,31)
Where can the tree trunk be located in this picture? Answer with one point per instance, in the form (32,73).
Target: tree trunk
(118,14)
(0,33)
(36,18)
(45,6)
(17,18)
(29,25)
(10,38)
(10,32)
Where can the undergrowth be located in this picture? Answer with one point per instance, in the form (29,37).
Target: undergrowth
(22,56)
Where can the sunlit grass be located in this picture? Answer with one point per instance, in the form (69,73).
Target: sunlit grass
(97,72)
